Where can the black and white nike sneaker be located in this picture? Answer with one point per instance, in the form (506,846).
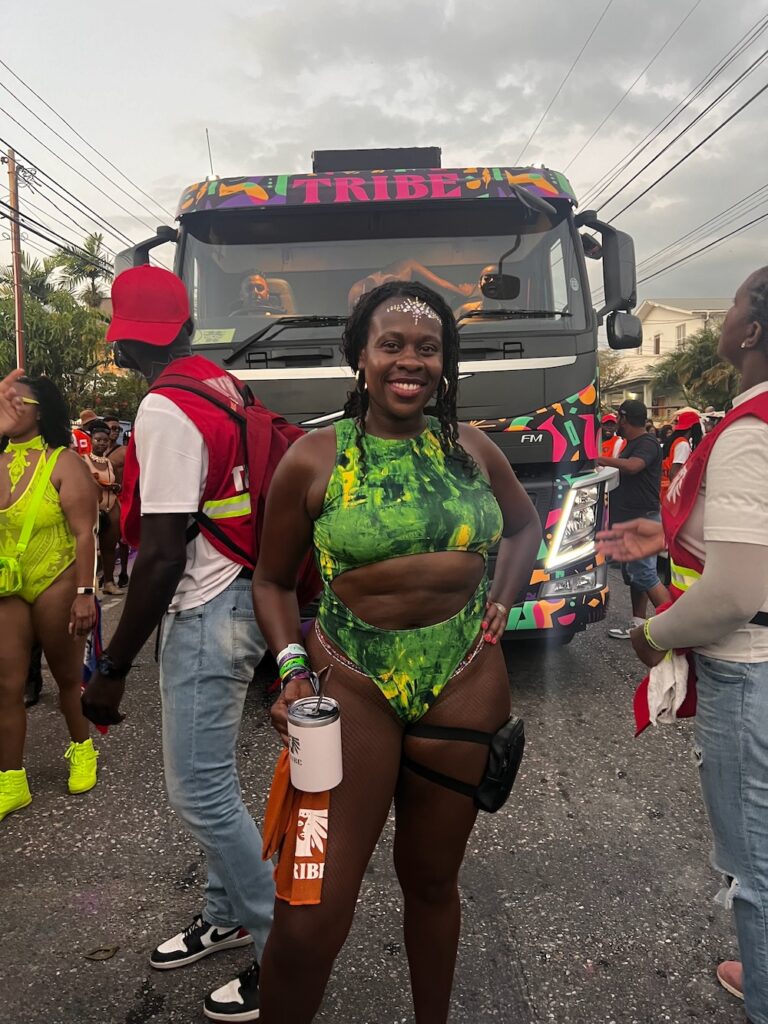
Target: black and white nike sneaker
(238,1000)
(196,941)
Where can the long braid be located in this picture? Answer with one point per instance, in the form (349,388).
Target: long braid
(355,338)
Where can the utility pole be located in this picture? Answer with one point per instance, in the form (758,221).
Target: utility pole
(13,185)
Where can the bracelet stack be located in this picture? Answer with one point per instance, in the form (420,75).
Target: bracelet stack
(293,663)
(649,639)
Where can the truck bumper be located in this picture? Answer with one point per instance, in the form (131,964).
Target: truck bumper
(560,616)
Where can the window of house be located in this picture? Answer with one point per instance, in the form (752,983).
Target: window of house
(657,344)
(680,334)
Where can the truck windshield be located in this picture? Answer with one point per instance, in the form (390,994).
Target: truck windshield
(243,268)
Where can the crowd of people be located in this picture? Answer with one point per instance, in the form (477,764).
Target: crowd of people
(398,505)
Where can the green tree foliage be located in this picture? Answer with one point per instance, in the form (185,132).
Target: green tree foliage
(697,370)
(63,338)
(120,393)
(613,369)
(35,277)
(86,271)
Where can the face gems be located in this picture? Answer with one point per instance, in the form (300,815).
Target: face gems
(415,307)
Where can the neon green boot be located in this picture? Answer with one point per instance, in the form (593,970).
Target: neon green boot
(82,759)
(14,791)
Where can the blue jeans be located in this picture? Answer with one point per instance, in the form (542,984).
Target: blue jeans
(642,574)
(207,659)
(731,747)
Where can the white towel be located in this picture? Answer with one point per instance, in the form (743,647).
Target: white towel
(667,687)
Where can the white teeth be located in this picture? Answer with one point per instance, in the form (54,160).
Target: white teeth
(406,387)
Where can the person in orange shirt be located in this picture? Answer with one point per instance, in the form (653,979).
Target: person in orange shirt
(612,444)
(686,436)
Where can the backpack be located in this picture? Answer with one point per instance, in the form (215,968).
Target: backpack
(257,423)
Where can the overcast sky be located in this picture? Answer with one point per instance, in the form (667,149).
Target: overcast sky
(272,82)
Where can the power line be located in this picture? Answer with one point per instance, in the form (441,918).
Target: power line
(736,51)
(562,84)
(737,81)
(74,149)
(690,153)
(704,248)
(75,170)
(51,241)
(43,213)
(90,145)
(63,243)
(616,106)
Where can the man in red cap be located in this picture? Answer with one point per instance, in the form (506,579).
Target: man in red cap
(186,506)
(612,443)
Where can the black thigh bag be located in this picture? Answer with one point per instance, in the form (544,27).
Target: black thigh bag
(505,752)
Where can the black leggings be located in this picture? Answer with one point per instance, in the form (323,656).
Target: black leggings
(432,827)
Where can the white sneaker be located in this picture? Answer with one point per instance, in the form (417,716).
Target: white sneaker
(199,939)
(622,632)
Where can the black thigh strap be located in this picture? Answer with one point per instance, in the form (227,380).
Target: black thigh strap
(438,778)
(761,619)
(446,732)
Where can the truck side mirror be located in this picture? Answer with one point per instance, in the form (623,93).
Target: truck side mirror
(618,254)
(138,255)
(624,330)
(592,248)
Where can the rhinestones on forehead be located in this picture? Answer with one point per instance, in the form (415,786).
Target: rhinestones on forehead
(415,308)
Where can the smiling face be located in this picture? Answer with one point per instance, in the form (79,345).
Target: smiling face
(403,358)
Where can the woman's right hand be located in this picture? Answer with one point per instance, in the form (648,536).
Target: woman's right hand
(295,690)
(11,406)
(626,542)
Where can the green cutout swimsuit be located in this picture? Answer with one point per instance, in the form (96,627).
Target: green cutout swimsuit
(402,498)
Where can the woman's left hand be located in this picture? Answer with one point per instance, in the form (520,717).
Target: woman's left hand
(647,654)
(494,622)
(83,615)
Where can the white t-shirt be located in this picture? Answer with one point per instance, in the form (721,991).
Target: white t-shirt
(733,506)
(681,453)
(173,460)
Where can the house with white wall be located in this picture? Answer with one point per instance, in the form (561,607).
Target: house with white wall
(668,322)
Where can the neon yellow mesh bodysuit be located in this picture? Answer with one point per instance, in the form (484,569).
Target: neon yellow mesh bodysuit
(51,547)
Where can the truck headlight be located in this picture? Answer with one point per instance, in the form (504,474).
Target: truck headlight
(574,535)
(579,583)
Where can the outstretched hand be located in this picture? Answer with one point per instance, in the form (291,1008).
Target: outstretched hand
(11,406)
(626,542)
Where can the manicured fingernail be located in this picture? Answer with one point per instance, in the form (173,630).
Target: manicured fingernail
(494,641)
(488,638)
(484,625)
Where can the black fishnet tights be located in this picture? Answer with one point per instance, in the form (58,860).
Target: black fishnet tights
(432,828)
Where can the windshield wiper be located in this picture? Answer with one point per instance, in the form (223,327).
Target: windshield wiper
(278,325)
(507,314)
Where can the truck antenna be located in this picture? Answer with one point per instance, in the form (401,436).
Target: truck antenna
(210,157)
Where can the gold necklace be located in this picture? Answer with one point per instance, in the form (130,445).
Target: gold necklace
(19,452)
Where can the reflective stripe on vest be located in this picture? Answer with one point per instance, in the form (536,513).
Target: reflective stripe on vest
(683,578)
(228,508)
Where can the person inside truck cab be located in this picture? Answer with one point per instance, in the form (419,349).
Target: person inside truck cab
(408,270)
(258,298)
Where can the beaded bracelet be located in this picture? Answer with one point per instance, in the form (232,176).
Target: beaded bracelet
(649,639)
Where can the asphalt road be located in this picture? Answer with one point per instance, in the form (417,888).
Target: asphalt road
(587,899)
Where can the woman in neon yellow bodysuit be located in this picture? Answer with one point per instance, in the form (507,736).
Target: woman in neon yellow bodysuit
(55,601)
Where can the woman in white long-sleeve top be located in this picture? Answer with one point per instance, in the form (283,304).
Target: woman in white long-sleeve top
(715,524)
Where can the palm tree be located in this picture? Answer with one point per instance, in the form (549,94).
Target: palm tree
(35,277)
(696,369)
(87,266)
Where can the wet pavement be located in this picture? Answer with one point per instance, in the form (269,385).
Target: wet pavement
(588,898)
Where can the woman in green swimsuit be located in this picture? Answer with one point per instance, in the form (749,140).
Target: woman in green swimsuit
(56,601)
(402,508)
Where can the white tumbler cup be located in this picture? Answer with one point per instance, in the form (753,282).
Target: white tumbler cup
(314,744)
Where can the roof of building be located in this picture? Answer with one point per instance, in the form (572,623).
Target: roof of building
(687,305)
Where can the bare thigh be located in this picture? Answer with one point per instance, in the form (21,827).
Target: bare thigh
(433,823)
(17,634)
(50,616)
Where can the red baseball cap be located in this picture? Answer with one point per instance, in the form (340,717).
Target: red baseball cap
(149,304)
(686,420)
(610,418)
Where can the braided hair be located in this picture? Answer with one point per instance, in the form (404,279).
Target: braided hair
(355,338)
(758,300)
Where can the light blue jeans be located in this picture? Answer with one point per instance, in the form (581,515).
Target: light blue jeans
(731,747)
(207,659)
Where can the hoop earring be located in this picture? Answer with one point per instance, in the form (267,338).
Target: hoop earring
(362,384)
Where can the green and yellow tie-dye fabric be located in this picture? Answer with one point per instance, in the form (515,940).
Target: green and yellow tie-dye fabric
(400,498)
(387,499)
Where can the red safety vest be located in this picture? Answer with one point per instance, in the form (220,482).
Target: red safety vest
(226,499)
(685,567)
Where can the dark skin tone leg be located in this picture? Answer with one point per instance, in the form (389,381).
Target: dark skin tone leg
(16,625)
(108,539)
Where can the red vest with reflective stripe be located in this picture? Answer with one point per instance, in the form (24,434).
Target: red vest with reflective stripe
(226,499)
(684,490)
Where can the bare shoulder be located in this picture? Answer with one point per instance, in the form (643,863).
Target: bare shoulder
(313,451)
(70,466)
(478,444)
